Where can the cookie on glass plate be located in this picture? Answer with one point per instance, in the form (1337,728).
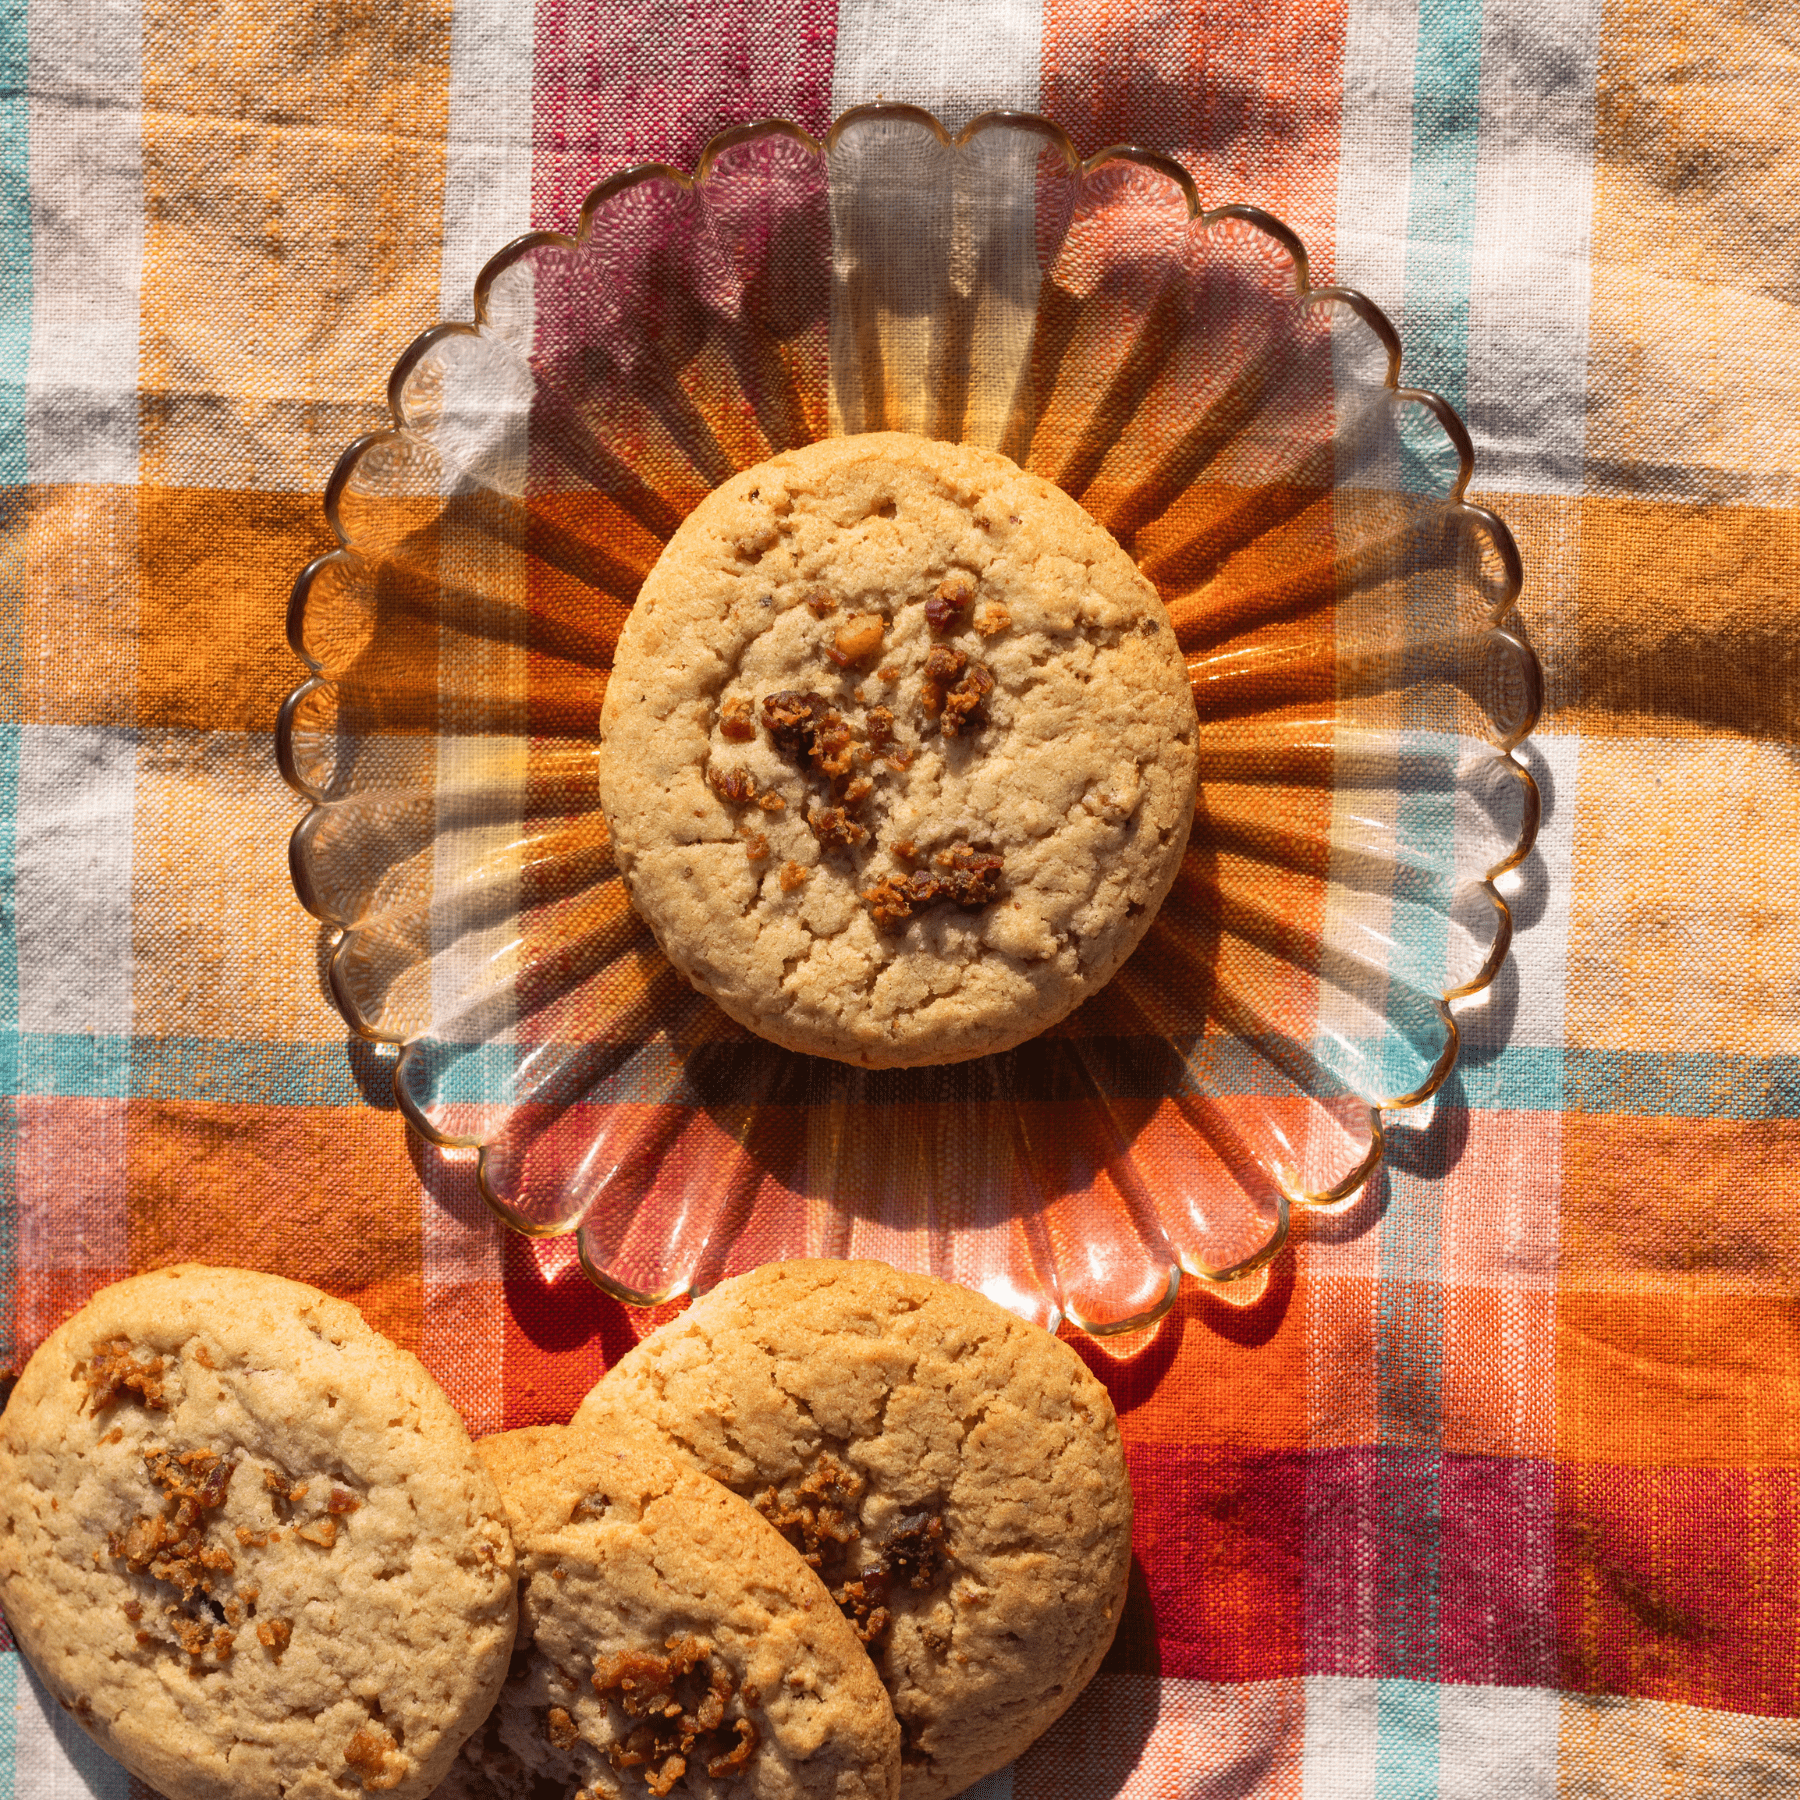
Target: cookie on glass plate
(900,753)
(954,1474)
(246,1542)
(669,1641)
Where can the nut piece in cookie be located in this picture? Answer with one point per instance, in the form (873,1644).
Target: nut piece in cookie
(219,1490)
(929,647)
(669,1639)
(953,1474)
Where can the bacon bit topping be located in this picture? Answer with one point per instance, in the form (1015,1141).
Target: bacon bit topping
(793,877)
(756,846)
(880,726)
(962,705)
(171,1547)
(895,898)
(134,1610)
(770,801)
(906,848)
(952,598)
(857,639)
(737,719)
(560,1728)
(733,1760)
(114,1370)
(835,829)
(681,1700)
(203,1356)
(274,1634)
(816,1516)
(256,1540)
(322,1532)
(113,1436)
(900,760)
(860,1603)
(944,662)
(736,787)
(820,604)
(887,672)
(342,1501)
(374,1755)
(833,749)
(277,1484)
(993,619)
(858,790)
(792,718)
(913,1553)
(971,879)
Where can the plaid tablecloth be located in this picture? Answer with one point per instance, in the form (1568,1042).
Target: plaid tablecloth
(1498,1491)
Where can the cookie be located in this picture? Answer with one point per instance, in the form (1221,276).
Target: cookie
(899,751)
(246,1542)
(954,1474)
(669,1640)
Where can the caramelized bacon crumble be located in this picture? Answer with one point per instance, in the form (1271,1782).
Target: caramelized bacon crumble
(792,719)
(374,1755)
(737,720)
(857,639)
(963,703)
(114,1370)
(913,1553)
(736,787)
(949,602)
(817,1515)
(680,1701)
(835,829)
(969,878)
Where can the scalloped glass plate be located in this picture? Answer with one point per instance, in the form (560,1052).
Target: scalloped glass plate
(1359,668)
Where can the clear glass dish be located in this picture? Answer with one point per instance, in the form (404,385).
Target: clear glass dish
(1359,668)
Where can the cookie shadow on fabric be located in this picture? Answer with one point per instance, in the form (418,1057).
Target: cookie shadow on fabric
(1097,1747)
(77,1764)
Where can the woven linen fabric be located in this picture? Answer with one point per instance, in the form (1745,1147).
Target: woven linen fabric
(1497,1491)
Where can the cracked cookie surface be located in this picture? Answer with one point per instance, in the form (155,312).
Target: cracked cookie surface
(246,1542)
(859,672)
(954,1474)
(669,1643)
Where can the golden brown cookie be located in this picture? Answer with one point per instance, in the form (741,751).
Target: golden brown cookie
(900,753)
(246,1542)
(669,1642)
(954,1473)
